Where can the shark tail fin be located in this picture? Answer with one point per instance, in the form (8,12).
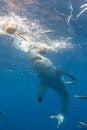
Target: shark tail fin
(59,118)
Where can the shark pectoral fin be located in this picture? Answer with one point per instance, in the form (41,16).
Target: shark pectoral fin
(41,91)
(69,75)
(66,73)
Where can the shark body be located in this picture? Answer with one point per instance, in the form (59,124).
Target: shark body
(51,77)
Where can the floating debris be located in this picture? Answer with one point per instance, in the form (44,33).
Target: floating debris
(82,97)
(10,28)
(21,36)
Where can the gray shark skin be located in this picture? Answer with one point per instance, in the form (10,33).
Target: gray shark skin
(51,77)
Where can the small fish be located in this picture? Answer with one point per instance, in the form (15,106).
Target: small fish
(72,57)
(61,14)
(80,127)
(82,123)
(75,107)
(69,19)
(83,10)
(4,121)
(47,31)
(69,82)
(82,97)
(82,6)
(21,36)
(2,113)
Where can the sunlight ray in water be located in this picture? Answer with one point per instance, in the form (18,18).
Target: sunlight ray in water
(33,32)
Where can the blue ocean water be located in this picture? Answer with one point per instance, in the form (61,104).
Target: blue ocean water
(18,82)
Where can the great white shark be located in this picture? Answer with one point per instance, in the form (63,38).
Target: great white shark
(51,77)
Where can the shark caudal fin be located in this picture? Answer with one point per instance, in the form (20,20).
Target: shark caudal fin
(60,119)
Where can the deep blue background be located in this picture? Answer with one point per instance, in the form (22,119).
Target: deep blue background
(19,84)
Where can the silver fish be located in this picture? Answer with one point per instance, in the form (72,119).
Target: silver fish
(79,96)
(82,123)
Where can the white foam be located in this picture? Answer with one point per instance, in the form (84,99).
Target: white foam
(14,19)
(33,31)
(52,46)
